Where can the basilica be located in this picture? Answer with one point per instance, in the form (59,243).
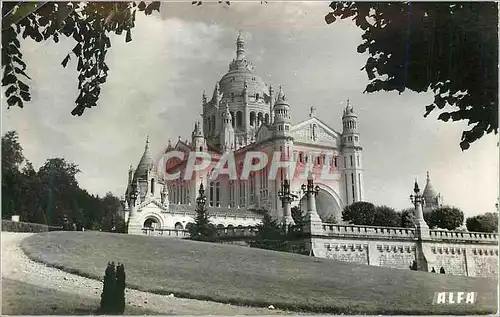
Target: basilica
(243,114)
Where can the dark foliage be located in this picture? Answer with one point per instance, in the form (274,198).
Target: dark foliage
(202,229)
(433,270)
(447,47)
(298,216)
(483,223)
(53,192)
(386,217)
(108,294)
(88,23)
(408,218)
(359,213)
(367,214)
(441,270)
(445,218)
(413,266)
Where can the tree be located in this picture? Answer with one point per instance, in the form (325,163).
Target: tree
(483,223)
(297,215)
(445,218)
(270,235)
(58,178)
(202,229)
(12,158)
(408,218)
(449,48)
(359,213)
(386,217)
(120,289)
(109,290)
(441,270)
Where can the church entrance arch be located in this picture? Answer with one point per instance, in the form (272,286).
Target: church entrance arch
(152,222)
(327,206)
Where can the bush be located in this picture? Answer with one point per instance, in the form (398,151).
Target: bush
(113,292)
(108,290)
(483,223)
(14,226)
(445,218)
(120,289)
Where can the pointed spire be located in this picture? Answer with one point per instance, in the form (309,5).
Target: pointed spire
(312,112)
(147,141)
(204,98)
(416,189)
(428,177)
(240,47)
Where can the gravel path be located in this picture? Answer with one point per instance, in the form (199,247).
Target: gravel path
(17,266)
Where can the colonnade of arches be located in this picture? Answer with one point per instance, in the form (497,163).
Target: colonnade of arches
(256,120)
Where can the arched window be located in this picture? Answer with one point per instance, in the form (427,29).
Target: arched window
(266,118)
(239,119)
(301,158)
(213,123)
(252,119)
(233,121)
(260,119)
(178,226)
(232,96)
(211,194)
(256,97)
(217,194)
(152,186)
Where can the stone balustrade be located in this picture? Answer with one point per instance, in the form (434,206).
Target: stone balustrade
(248,231)
(174,233)
(479,237)
(339,230)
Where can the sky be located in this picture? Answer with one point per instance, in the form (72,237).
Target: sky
(155,87)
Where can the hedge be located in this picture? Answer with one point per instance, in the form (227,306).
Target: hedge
(14,226)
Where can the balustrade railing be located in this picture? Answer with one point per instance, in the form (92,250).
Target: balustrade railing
(463,235)
(368,231)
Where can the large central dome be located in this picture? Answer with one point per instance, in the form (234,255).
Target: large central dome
(241,72)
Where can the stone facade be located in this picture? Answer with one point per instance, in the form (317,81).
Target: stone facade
(245,115)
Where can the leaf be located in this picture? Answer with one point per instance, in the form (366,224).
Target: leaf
(65,60)
(14,100)
(25,95)
(12,89)
(128,37)
(445,116)
(330,18)
(77,50)
(23,86)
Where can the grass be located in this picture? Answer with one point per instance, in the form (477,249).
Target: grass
(38,300)
(254,277)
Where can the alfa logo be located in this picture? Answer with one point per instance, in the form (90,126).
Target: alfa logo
(451,298)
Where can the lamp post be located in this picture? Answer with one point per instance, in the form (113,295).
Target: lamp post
(418,201)
(311,192)
(201,200)
(286,198)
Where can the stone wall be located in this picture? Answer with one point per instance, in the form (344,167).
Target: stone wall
(458,253)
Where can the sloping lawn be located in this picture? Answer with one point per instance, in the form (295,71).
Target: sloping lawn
(19,298)
(253,277)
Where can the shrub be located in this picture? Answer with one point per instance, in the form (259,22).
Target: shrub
(120,289)
(108,290)
(483,223)
(442,270)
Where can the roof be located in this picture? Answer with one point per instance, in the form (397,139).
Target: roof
(145,164)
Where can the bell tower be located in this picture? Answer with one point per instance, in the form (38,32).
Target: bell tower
(352,165)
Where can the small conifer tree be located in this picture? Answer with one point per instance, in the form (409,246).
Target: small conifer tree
(442,270)
(120,289)
(202,229)
(108,291)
